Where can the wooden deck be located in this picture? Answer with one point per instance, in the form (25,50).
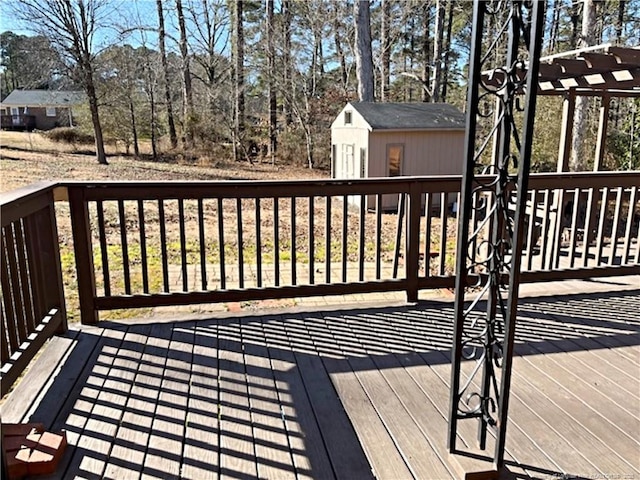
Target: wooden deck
(352,393)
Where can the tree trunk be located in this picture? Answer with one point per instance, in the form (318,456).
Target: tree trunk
(187,94)
(286,60)
(239,75)
(165,68)
(575,18)
(337,40)
(620,21)
(578,160)
(364,60)
(437,51)
(273,140)
(95,116)
(385,46)
(446,66)
(426,50)
(555,27)
(134,129)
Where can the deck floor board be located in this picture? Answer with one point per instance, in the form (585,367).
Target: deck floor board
(355,393)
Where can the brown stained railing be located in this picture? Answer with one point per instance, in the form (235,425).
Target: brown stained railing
(33,307)
(239,241)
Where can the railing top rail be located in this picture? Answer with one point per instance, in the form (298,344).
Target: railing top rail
(24,201)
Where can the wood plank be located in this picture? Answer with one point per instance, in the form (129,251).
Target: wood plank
(427,333)
(546,403)
(164,451)
(101,427)
(15,409)
(347,458)
(273,455)
(327,240)
(371,429)
(240,242)
(130,444)
(237,455)
(125,248)
(259,244)
(609,422)
(183,246)
(309,454)
(78,408)
(143,248)
(202,245)
(312,240)
(163,246)
(201,454)
(392,398)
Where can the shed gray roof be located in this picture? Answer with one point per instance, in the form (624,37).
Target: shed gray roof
(406,116)
(43,98)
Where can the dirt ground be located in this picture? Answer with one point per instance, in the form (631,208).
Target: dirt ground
(30,157)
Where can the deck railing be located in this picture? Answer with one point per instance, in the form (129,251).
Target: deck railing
(33,306)
(147,244)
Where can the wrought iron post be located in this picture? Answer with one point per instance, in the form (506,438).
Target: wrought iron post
(506,41)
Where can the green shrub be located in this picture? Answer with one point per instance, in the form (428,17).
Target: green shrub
(69,135)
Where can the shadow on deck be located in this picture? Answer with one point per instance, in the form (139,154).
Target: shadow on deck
(350,394)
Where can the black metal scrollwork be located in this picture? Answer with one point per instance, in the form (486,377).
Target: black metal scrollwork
(505,48)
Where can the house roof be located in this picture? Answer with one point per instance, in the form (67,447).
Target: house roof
(410,116)
(43,98)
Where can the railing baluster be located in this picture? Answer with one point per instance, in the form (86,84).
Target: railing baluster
(25,278)
(7,296)
(626,249)
(345,218)
(143,247)
(163,246)
(183,246)
(614,231)
(362,222)
(125,248)
(601,221)
(428,199)
(378,252)
(557,243)
(258,244)
(544,238)
(327,240)
(18,301)
(588,220)
(400,221)
(223,273)
(312,240)
(294,279)
(276,240)
(4,326)
(530,229)
(203,244)
(574,226)
(443,232)
(104,252)
(240,243)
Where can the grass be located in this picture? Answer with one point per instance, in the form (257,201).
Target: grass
(27,158)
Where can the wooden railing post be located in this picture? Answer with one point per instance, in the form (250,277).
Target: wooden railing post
(83,248)
(42,244)
(413,241)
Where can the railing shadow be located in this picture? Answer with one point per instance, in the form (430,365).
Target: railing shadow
(247,395)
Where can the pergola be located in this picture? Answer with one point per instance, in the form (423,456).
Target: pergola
(602,71)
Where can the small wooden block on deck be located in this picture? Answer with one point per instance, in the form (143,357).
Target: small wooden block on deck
(30,450)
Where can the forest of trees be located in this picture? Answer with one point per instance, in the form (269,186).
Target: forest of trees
(264,79)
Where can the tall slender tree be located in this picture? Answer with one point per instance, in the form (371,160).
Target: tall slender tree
(238,29)
(437,51)
(271,84)
(71,27)
(385,47)
(187,91)
(364,58)
(578,159)
(165,69)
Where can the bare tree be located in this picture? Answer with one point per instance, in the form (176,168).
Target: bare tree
(364,60)
(385,47)
(167,84)
(437,51)
(286,60)
(71,26)
(187,91)
(578,160)
(238,51)
(271,54)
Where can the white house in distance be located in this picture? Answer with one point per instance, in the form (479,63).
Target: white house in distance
(391,139)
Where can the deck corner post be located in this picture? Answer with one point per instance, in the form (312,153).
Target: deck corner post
(83,249)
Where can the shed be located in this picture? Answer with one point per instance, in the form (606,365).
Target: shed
(39,109)
(392,139)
